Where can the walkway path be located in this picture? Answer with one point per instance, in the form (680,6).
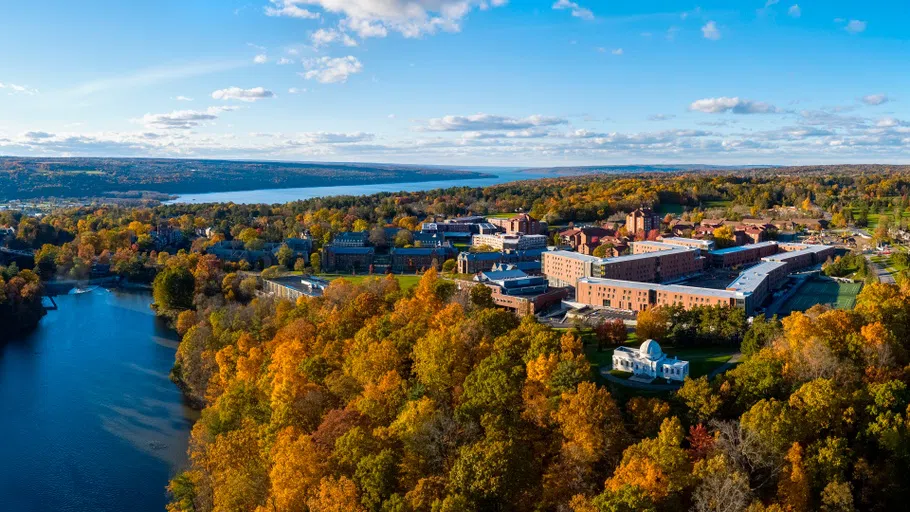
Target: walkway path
(881,272)
(733,361)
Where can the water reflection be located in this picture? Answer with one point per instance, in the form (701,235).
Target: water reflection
(88,417)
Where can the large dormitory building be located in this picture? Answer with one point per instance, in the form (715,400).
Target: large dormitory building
(633,282)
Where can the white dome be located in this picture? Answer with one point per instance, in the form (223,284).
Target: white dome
(651,350)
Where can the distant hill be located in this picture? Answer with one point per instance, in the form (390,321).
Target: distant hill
(28,178)
(633,168)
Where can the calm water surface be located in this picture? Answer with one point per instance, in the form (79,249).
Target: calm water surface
(88,418)
(285,195)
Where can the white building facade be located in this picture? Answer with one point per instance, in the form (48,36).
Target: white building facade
(650,362)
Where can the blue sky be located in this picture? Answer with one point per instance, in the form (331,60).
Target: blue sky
(459,82)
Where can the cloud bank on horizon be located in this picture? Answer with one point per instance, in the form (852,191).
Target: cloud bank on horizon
(481,82)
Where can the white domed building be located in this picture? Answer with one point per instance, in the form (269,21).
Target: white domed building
(649,362)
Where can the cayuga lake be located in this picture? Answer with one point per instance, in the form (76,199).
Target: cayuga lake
(286,195)
(89,420)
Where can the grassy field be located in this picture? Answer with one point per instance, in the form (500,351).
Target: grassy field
(501,215)
(703,361)
(715,204)
(842,295)
(675,209)
(405,282)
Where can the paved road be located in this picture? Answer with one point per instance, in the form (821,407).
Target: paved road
(883,275)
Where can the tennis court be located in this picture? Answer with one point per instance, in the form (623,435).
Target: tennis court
(840,295)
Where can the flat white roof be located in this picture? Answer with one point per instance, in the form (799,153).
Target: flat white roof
(752,277)
(739,248)
(682,240)
(807,249)
(576,255)
(673,249)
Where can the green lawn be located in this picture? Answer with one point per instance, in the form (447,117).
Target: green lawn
(501,215)
(675,209)
(405,281)
(841,295)
(701,360)
(716,204)
(704,360)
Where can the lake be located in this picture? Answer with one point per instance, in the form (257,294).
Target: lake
(286,195)
(89,420)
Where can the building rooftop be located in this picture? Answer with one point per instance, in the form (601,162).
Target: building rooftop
(671,249)
(419,251)
(577,256)
(481,256)
(312,286)
(704,243)
(494,275)
(350,250)
(753,277)
(739,248)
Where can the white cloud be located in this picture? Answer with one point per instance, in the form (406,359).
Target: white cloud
(237,93)
(795,11)
(487,122)
(18,89)
(735,105)
(710,31)
(329,70)
(576,10)
(182,119)
(375,18)
(324,37)
(889,122)
(283,61)
(617,51)
(855,26)
(261,58)
(336,138)
(183,98)
(295,90)
(661,117)
(769,3)
(290,9)
(875,99)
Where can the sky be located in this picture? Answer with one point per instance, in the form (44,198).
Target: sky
(459,82)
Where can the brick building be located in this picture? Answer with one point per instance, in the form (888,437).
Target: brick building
(347,259)
(742,255)
(642,220)
(510,242)
(474,262)
(521,223)
(418,259)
